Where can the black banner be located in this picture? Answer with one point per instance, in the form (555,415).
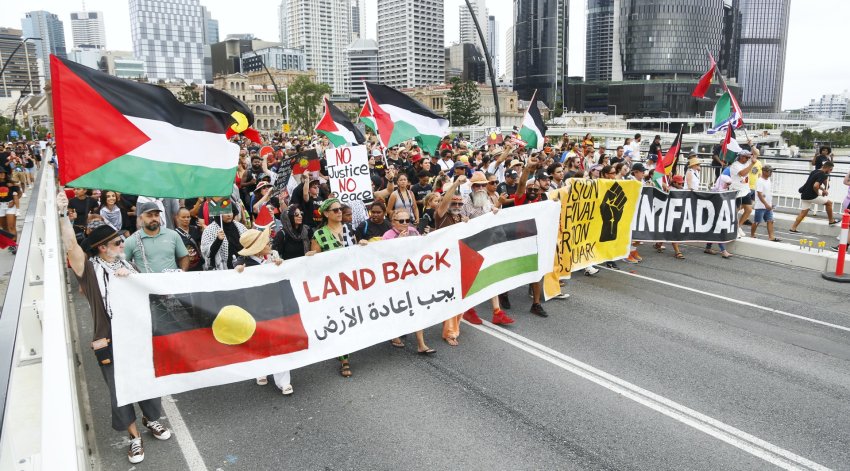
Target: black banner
(685,216)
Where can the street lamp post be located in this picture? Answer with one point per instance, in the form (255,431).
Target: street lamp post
(9,59)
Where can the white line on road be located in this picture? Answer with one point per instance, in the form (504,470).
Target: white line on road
(713,427)
(733,300)
(194,461)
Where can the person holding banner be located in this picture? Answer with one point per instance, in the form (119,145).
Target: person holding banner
(98,259)
(331,235)
(449,212)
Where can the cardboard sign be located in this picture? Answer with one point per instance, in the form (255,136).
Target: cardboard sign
(348,169)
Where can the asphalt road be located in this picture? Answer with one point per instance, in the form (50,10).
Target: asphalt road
(718,376)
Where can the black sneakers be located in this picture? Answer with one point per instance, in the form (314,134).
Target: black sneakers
(537,309)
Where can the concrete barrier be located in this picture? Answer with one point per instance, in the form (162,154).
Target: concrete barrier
(787,254)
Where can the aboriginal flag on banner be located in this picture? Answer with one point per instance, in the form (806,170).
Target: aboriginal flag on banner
(496,254)
(198,331)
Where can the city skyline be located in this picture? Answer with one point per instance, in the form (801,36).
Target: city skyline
(809,73)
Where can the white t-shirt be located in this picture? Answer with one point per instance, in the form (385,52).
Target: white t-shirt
(764,187)
(692,180)
(635,150)
(446,164)
(739,183)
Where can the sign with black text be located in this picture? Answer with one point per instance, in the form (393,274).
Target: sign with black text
(685,216)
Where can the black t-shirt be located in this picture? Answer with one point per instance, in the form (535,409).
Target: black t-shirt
(83,207)
(807,191)
(368,229)
(504,188)
(310,208)
(820,160)
(654,148)
(715,152)
(421,191)
(7,191)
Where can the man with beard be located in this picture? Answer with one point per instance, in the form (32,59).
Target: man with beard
(155,249)
(99,259)
(478,203)
(449,212)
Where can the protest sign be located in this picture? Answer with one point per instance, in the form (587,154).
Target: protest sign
(594,226)
(174,332)
(685,216)
(284,172)
(348,170)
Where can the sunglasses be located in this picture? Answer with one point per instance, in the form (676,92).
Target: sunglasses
(117,242)
(479,185)
(491,182)
(335,210)
(457,203)
(403,221)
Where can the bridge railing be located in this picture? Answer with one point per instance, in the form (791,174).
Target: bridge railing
(41,424)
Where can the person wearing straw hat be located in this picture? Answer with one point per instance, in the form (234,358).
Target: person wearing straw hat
(257,250)
(692,174)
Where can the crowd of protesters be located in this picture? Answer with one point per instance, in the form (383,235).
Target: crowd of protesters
(18,165)
(107,233)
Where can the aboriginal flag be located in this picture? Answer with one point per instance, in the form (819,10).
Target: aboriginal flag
(497,254)
(306,161)
(203,330)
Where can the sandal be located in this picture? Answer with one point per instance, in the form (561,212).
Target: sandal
(345,370)
(726,254)
(429,351)
(659,247)
(833,222)
(451,341)
(397,343)
(793,231)
(679,255)
(711,251)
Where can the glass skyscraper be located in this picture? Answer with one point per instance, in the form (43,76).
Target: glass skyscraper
(599,39)
(669,39)
(761,54)
(540,49)
(51,30)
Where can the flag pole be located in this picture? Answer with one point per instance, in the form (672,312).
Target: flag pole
(726,88)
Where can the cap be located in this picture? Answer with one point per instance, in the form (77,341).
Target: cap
(638,167)
(376,153)
(511,174)
(460,164)
(416,158)
(148,207)
(542,175)
(678,179)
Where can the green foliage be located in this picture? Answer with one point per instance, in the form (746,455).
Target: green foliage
(189,94)
(305,102)
(463,102)
(806,138)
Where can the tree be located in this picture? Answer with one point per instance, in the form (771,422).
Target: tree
(189,94)
(305,102)
(464,101)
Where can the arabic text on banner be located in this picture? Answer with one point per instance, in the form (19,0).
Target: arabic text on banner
(175,332)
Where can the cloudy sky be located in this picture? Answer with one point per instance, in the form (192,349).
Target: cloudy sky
(813,66)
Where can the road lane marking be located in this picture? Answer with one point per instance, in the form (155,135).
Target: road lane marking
(735,301)
(194,461)
(708,425)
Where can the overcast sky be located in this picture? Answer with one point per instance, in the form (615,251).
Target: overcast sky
(815,62)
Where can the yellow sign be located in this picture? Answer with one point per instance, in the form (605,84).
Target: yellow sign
(596,225)
(285,127)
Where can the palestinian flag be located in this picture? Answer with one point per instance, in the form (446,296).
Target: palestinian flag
(726,113)
(338,128)
(497,254)
(729,149)
(366,117)
(238,110)
(533,130)
(116,134)
(705,81)
(203,330)
(399,118)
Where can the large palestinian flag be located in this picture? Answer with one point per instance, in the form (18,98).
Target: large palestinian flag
(399,118)
(338,128)
(727,112)
(199,331)
(238,110)
(366,117)
(116,134)
(533,130)
(496,254)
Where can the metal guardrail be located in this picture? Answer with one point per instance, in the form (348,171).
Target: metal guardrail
(35,326)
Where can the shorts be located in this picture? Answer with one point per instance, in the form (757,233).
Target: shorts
(807,204)
(744,201)
(764,215)
(5,210)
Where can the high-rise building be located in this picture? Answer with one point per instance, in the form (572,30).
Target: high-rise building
(322,29)
(600,48)
(509,53)
(761,52)
(210,27)
(227,55)
(358,19)
(274,57)
(283,22)
(169,36)
(406,59)
(541,38)
(362,65)
(493,42)
(122,64)
(468,32)
(48,27)
(667,39)
(19,70)
(466,62)
(88,56)
(87,29)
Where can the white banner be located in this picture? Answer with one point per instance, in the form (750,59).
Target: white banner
(348,169)
(174,332)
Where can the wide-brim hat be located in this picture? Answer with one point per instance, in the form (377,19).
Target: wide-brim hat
(253,241)
(693,161)
(99,236)
(261,185)
(478,177)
